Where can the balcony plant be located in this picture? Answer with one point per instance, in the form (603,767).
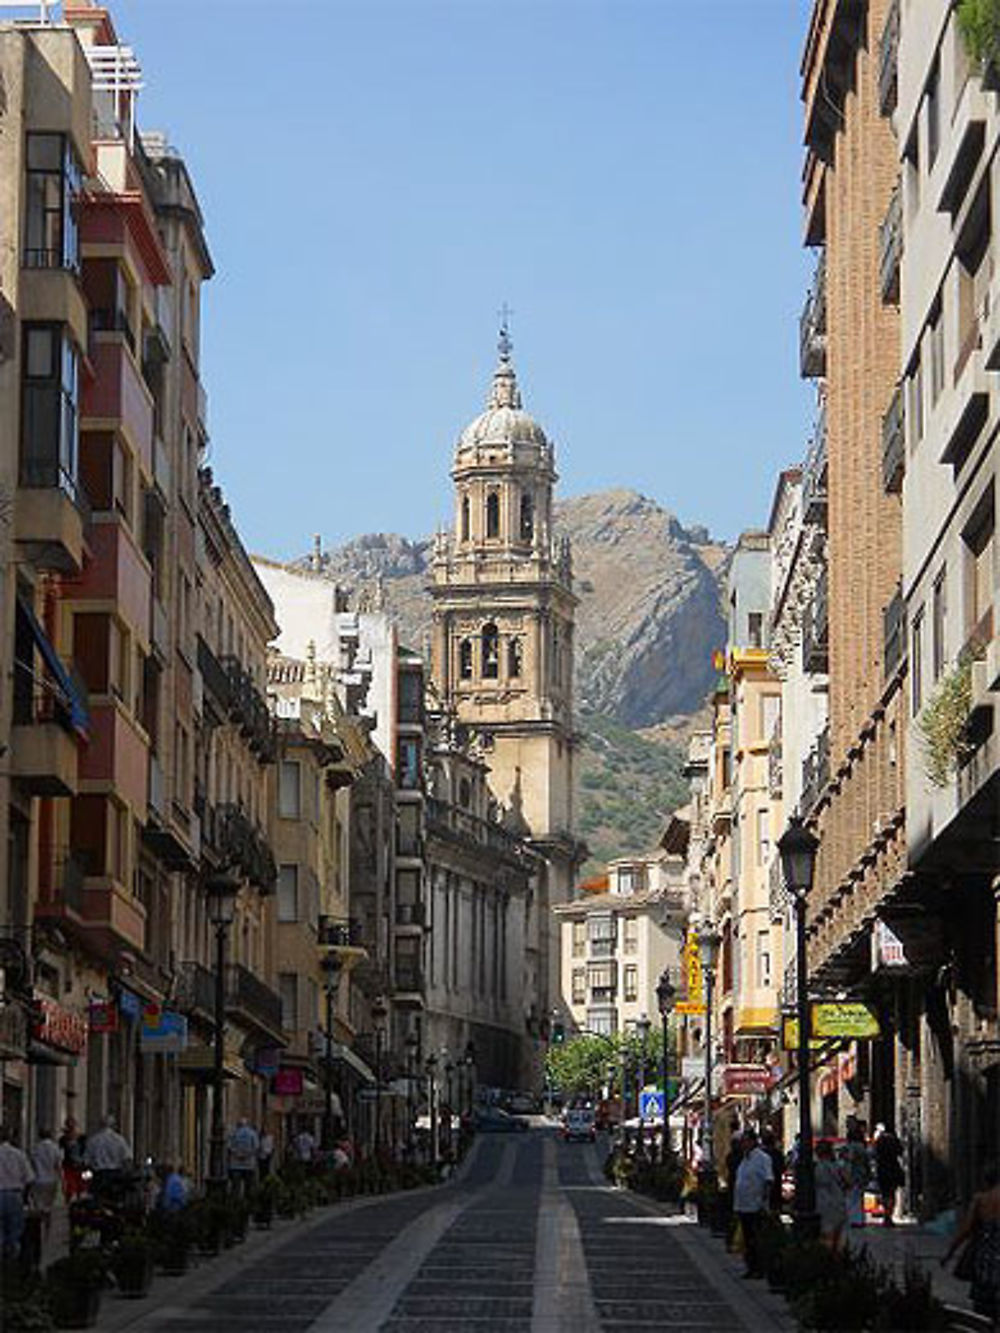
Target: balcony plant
(979,24)
(942,725)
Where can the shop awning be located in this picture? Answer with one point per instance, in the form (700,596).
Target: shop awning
(342,1052)
(72,696)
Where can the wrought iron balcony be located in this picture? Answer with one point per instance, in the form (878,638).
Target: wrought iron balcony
(894,444)
(195,989)
(248,997)
(243,845)
(214,675)
(890,244)
(815,773)
(443,817)
(894,635)
(815,631)
(888,61)
(812,327)
(814,475)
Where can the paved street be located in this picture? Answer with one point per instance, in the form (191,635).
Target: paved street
(529,1239)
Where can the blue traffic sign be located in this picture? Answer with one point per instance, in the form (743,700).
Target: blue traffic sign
(651,1104)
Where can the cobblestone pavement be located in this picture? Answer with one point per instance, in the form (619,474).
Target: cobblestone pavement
(529,1239)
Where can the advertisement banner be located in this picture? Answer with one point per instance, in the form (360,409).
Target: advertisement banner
(288,1083)
(167,1036)
(846,1019)
(103,1016)
(746,1080)
(62,1029)
(693,990)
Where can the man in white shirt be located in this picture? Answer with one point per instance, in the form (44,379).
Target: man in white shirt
(15,1177)
(304,1145)
(244,1145)
(46,1158)
(754,1176)
(107,1154)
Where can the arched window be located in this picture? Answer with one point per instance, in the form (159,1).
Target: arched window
(514,657)
(527,517)
(556,674)
(491,652)
(465,659)
(465,518)
(493,514)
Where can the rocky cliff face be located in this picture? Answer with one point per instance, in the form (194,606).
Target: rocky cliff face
(649,616)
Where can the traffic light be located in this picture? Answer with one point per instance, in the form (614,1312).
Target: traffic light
(558,1033)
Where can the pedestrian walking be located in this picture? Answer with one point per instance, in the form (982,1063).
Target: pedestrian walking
(751,1198)
(979,1233)
(304,1146)
(265,1152)
(16,1174)
(108,1155)
(47,1160)
(244,1147)
(888,1170)
(858,1166)
(832,1187)
(72,1145)
(769,1143)
(173,1190)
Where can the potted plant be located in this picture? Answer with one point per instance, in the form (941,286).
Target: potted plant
(25,1304)
(208,1224)
(171,1236)
(75,1283)
(132,1264)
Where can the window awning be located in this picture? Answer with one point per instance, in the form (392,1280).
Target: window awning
(79,717)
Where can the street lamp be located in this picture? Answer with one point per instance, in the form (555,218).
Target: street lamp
(642,1027)
(666,997)
(379,1012)
(431,1067)
(709,943)
(470,1074)
(797,848)
(221,892)
(330,964)
(412,1044)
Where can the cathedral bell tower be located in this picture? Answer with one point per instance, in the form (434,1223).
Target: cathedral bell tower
(503,610)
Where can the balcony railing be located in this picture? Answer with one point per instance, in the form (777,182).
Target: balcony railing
(894,444)
(777,895)
(248,707)
(242,844)
(213,674)
(246,994)
(815,631)
(195,989)
(894,635)
(339,933)
(888,61)
(775,767)
(69,880)
(814,476)
(38,472)
(469,828)
(812,327)
(815,773)
(890,242)
(108,319)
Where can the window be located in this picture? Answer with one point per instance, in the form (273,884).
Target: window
(915,403)
(916,662)
(408,830)
(289,789)
(493,514)
(579,985)
(763,958)
(770,715)
(527,528)
(579,938)
(631,925)
(53,185)
(408,963)
(763,836)
(933,115)
(939,623)
(601,978)
(49,409)
(755,629)
(408,763)
(602,928)
(288,989)
(465,659)
(411,696)
(491,651)
(937,355)
(288,893)
(465,519)
(630,982)
(514,658)
(601,1022)
(979,577)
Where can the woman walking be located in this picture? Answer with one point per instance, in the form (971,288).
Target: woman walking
(980,1229)
(831,1201)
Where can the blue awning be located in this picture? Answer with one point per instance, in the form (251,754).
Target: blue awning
(76,705)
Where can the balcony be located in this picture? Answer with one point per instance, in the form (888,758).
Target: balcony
(812,327)
(340,933)
(116,573)
(444,819)
(815,773)
(815,631)
(890,247)
(888,62)
(114,915)
(894,444)
(196,991)
(117,757)
(117,397)
(894,635)
(409,980)
(411,914)
(252,1002)
(248,708)
(243,845)
(775,768)
(50,515)
(43,757)
(814,476)
(214,677)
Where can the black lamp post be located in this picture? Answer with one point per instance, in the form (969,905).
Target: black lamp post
(797,847)
(412,1044)
(470,1074)
(330,964)
(709,943)
(430,1066)
(379,1012)
(642,1027)
(221,892)
(666,997)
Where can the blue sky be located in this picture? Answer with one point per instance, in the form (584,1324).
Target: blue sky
(379,176)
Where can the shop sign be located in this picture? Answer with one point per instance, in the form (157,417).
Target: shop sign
(288,1083)
(62,1029)
(103,1017)
(694,983)
(166,1036)
(849,1019)
(790,1035)
(266,1061)
(129,1005)
(746,1080)
(889,948)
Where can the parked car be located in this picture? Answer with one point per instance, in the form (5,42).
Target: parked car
(492,1120)
(522,1103)
(579,1124)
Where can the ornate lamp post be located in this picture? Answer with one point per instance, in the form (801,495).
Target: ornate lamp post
(470,1074)
(379,1012)
(412,1044)
(430,1066)
(642,1027)
(797,848)
(666,997)
(221,892)
(709,943)
(330,964)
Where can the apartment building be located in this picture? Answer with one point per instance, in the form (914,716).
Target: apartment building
(944,949)
(852,790)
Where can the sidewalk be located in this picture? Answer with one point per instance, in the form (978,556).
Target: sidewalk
(908,1240)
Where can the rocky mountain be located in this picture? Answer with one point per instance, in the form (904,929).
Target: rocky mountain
(649,615)
(649,619)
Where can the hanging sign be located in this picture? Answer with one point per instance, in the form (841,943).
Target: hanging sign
(694,984)
(746,1080)
(848,1019)
(129,1005)
(790,1035)
(103,1016)
(168,1036)
(62,1029)
(288,1083)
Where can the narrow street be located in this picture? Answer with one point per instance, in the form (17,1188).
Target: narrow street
(529,1239)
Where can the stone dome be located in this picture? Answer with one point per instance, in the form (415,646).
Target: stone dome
(505,421)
